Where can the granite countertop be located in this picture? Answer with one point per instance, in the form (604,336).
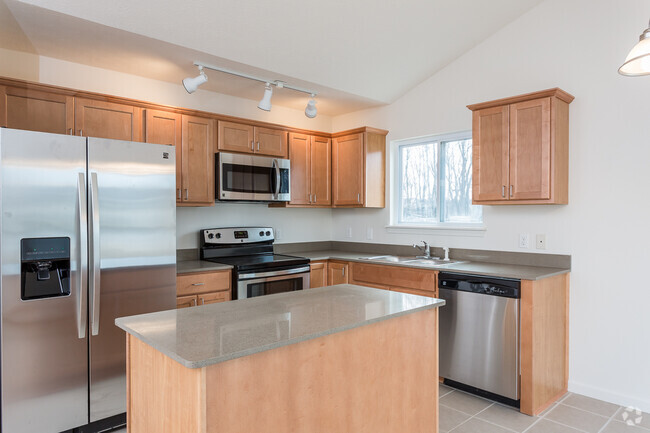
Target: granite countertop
(208,334)
(189,266)
(520,272)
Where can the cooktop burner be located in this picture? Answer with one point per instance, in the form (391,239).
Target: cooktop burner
(260,261)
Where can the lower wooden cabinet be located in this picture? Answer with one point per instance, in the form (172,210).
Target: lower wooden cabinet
(317,274)
(202,288)
(337,273)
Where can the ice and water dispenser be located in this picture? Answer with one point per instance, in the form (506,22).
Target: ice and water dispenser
(44,268)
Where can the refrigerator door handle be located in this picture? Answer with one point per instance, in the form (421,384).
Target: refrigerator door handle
(94,260)
(82,282)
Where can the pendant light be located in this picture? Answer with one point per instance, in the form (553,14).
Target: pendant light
(637,62)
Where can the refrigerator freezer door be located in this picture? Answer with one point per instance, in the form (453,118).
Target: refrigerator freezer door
(132,255)
(44,341)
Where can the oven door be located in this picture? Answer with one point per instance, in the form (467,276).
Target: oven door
(267,283)
(252,178)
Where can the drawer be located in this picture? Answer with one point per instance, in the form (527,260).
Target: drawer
(393,276)
(213,298)
(203,282)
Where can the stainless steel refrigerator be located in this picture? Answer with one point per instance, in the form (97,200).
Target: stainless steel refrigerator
(88,234)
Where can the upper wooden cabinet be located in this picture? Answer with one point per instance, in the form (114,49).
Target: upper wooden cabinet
(163,127)
(239,137)
(197,156)
(107,120)
(36,111)
(521,149)
(358,168)
(311,158)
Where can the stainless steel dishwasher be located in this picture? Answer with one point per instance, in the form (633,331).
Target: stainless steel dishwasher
(479,335)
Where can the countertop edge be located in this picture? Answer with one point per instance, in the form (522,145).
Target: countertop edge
(212,361)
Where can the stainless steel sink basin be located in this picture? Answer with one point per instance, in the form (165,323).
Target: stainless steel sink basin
(392,259)
(433,262)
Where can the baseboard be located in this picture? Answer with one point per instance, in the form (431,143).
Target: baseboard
(609,396)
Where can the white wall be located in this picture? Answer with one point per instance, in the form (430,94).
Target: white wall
(577,45)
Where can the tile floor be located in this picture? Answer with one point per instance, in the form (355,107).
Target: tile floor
(574,413)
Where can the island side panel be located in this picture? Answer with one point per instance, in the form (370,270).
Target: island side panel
(377,378)
(544,342)
(162,395)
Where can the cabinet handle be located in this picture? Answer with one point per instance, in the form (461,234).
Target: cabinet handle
(358,198)
(81,132)
(71,131)
(193,303)
(253,145)
(314,198)
(510,190)
(179,193)
(258,146)
(187,194)
(503,191)
(202,301)
(198,284)
(343,271)
(309,198)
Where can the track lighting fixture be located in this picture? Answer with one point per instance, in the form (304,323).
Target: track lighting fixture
(637,62)
(191,84)
(265,103)
(310,110)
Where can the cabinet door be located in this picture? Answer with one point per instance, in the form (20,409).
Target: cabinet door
(36,111)
(300,169)
(490,154)
(530,149)
(347,170)
(197,161)
(213,298)
(317,274)
(235,137)
(162,127)
(271,142)
(107,120)
(337,273)
(321,171)
(185,301)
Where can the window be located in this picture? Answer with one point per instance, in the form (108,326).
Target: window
(434,183)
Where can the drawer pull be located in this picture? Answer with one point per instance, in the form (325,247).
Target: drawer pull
(198,284)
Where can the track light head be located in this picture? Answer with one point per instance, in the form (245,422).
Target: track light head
(193,83)
(310,110)
(265,103)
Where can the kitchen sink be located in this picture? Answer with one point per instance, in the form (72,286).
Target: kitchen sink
(433,262)
(392,259)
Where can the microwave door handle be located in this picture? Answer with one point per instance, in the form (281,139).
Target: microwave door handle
(277,177)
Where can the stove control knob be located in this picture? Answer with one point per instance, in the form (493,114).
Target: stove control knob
(210,235)
(218,235)
(261,233)
(268,233)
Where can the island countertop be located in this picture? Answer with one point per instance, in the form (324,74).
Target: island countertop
(205,335)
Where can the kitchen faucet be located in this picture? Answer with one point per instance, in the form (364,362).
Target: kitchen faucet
(426,250)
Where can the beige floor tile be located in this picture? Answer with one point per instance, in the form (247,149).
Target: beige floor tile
(591,404)
(450,418)
(444,390)
(475,425)
(645,417)
(621,427)
(507,417)
(466,403)
(577,418)
(545,426)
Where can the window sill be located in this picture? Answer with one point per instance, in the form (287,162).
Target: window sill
(477,230)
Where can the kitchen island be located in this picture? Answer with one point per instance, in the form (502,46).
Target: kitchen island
(335,359)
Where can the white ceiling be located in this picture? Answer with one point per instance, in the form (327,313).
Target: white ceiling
(355,53)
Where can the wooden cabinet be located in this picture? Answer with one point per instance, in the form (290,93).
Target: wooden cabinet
(521,149)
(36,111)
(317,274)
(358,168)
(197,161)
(163,127)
(337,273)
(398,278)
(311,158)
(240,137)
(102,119)
(202,288)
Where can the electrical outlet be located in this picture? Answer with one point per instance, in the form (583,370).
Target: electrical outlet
(524,240)
(348,232)
(540,242)
(369,233)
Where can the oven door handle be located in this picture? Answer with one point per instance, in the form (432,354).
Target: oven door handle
(300,270)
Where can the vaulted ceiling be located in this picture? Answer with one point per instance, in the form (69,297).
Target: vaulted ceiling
(355,53)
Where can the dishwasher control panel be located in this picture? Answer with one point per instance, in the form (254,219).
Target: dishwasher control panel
(506,287)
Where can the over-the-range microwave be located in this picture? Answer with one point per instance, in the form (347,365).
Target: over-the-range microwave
(251,178)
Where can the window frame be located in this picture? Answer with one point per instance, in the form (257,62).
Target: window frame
(396,225)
